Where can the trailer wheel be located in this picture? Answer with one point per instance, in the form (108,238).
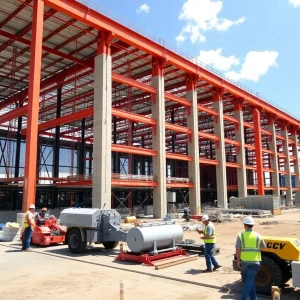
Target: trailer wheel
(269,274)
(75,242)
(110,245)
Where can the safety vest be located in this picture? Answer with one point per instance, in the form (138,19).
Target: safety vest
(213,239)
(250,246)
(26,221)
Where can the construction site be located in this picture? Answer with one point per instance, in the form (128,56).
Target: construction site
(95,115)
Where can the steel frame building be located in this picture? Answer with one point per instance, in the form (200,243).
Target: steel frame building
(72,78)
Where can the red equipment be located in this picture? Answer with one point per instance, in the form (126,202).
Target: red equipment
(149,260)
(196,217)
(47,232)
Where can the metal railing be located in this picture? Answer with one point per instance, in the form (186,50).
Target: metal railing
(117,176)
(96,6)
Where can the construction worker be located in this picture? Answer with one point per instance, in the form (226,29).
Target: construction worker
(29,225)
(248,245)
(209,238)
(43,214)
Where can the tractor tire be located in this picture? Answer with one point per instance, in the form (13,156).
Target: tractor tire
(75,242)
(110,245)
(268,275)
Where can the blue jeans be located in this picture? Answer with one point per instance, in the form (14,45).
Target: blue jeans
(249,272)
(27,238)
(209,257)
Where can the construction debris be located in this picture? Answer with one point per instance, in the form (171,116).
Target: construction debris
(10,232)
(217,214)
(270,222)
(192,226)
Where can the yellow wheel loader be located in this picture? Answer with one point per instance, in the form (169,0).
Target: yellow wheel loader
(280,263)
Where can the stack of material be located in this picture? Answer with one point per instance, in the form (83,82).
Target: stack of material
(220,214)
(265,203)
(11,232)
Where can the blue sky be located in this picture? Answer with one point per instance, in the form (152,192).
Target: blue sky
(255,42)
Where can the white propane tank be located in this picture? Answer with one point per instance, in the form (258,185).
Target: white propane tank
(141,239)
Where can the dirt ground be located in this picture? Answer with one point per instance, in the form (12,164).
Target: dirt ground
(54,273)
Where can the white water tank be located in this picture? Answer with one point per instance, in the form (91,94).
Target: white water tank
(141,239)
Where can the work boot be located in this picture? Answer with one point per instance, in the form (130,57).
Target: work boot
(215,268)
(207,271)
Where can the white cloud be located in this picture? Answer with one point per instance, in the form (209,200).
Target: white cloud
(200,16)
(255,64)
(215,59)
(295,3)
(143,8)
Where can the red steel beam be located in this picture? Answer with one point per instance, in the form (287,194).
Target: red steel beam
(13,114)
(133,150)
(177,156)
(85,113)
(233,165)
(179,185)
(98,21)
(206,161)
(133,117)
(178,128)
(231,119)
(231,142)
(180,100)
(208,136)
(12,15)
(133,83)
(45,48)
(207,110)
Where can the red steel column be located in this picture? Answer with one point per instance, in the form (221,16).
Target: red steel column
(258,151)
(29,189)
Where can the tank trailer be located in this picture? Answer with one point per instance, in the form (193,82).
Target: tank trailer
(92,225)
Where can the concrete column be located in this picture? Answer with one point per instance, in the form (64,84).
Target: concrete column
(240,151)
(258,151)
(297,164)
(102,127)
(159,141)
(287,166)
(274,158)
(193,149)
(220,150)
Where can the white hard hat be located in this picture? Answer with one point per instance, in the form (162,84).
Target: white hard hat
(205,218)
(248,221)
(32,206)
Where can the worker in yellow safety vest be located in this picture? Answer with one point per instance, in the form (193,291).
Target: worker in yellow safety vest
(29,225)
(209,238)
(248,253)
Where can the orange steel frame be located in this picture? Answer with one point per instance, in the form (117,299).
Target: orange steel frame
(256,112)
